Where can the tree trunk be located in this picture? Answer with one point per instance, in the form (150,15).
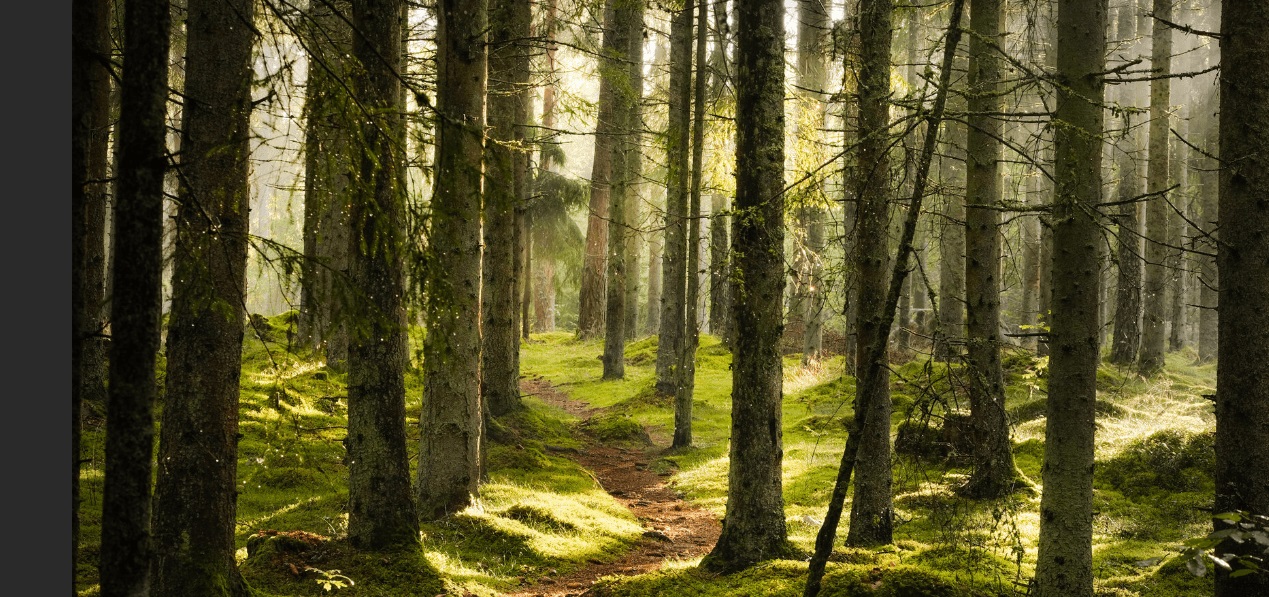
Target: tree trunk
(195,498)
(381,514)
(449,458)
(328,161)
(1242,395)
(951,323)
(652,323)
(592,303)
(90,127)
(674,266)
(994,473)
(1178,261)
(720,310)
(871,513)
(1031,264)
(135,304)
(506,166)
(1208,281)
(1066,507)
(626,29)
(1127,328)
(754,527)
(813,28)
(1154,299)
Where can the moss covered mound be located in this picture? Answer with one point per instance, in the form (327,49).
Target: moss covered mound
(617,429)
(1170,460)
(299,563)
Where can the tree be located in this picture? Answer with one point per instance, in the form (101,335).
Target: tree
(674,265)
(871,514)
(994,473)
(1155,306)
(135,302)
(1127,336)
(951,315)
(506,180)
(328,173)
(195,498)
(381,514)
(1066,506)
(90,125)
(812,46)
(449,458)
(754,528)
(719,286)
(591,309)
(627,31)
(1242,386)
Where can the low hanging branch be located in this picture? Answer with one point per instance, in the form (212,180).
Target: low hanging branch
(877,344)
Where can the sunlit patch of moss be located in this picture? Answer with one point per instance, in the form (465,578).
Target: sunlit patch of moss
(1169,579)
(368,574)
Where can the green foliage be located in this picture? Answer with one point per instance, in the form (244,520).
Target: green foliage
(1170,461)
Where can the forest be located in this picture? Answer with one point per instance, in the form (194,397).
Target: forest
(893,298)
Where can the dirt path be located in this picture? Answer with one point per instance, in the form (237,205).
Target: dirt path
(675,529)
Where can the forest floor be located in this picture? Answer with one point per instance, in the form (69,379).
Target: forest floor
(581,494)
(676,530)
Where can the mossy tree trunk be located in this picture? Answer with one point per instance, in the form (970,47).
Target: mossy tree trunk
(381,514)
(449,458)
(328,174)
(626,30)
(135,305)
(195,498)
(1066,507)
(754,528)
(90,127)
(674,266)
(1242,394)
(506,167)
(871,512)
(994,473)
(1155,308)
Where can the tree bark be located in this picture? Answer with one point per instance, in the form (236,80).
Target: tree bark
(626,28)
(754,528)
(90,127)
(1242,395)
(592,301)
(506,168)
(994,473)
(951,317)
(1155,308)
(328,174)
(135,305)
(652,323)
(1178,261)
(871,512)
(449,458)
(813,27)
(1066,506)
(1208,282)
(720,310)
(195,498)
(674,266)
(1127,328)
(381,514)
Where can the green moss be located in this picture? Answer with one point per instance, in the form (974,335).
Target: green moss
(1035,409)
(1169,460)
(295,568)
(617,429)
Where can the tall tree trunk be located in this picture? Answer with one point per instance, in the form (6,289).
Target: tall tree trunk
(1208,281)
(328,172)
(592,302)
(626,28)
(381,513)
(1242,395)
(135,304)
(674,266)
(720,311)
(652,323)
(1154,299)
(449,458)
(90,127)
(871,513)
(506,167)
(1127,328)
(1178,261)
(1031,264)
(994,473)
(540,278)
(1066,507)
(754,528)
(813,29)
(526,267)
(195,498)
(951,324)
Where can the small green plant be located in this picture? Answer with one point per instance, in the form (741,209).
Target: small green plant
(330,579)
(1243,527)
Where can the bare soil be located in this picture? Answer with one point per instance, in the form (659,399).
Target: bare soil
(675,529)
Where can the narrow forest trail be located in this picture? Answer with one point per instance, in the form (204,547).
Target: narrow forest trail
(674,529)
